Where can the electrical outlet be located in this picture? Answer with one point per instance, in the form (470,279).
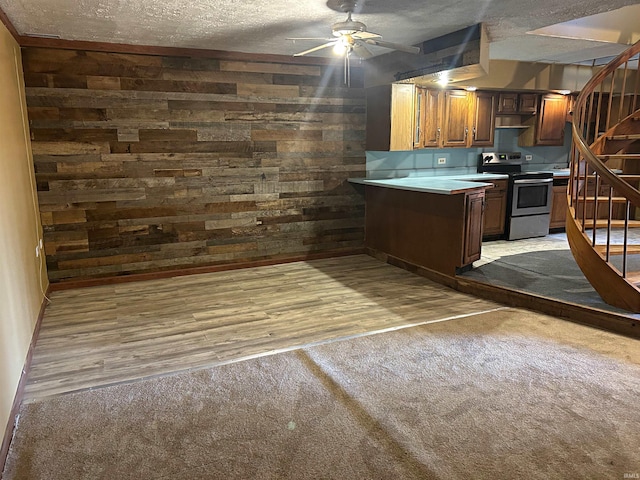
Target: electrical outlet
(528,158)
(442,160)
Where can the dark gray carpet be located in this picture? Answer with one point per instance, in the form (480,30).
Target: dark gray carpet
(550,273)
(502,395)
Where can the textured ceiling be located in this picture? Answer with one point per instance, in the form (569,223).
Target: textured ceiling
(259,26)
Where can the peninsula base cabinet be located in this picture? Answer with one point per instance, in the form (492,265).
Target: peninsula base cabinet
(474,210)
(436,231)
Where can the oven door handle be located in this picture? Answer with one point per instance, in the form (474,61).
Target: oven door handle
(534,180)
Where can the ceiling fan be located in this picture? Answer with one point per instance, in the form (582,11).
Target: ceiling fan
(351,36)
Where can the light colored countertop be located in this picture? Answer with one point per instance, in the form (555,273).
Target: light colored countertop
(445,185)
(560,172)
(565,173)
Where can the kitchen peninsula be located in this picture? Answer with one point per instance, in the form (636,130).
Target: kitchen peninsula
(431,222)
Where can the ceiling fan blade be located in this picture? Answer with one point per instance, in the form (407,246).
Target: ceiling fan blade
(360,50)
(365,35)
(393,46)
(315,49)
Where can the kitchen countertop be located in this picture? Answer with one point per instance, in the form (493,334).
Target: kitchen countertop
(560,172)
(443,185)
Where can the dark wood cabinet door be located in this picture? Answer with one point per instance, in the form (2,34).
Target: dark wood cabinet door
(473,227)
(558,207)
(431,113)
(528,103)
(455,128)
(551,120)
(495,209)
(508,103)
(484,119)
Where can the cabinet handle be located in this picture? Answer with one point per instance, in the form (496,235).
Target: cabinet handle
(438,133)
(474,133)
(466,132)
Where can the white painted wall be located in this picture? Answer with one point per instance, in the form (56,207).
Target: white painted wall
(22,275)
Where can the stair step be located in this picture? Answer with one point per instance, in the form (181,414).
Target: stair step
(604,199)
(625,156)
(633,277)
(632,136)
(602,223)
(617,250)
(626,176)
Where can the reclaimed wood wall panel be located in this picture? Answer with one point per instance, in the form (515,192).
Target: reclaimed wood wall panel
(148,163)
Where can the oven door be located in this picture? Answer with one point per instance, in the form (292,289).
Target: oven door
(531,196)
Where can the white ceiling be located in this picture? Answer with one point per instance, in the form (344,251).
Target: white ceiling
(263,26)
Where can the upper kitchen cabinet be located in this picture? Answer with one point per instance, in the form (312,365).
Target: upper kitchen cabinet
(390,117)
(405,117)
(453,118)
(513,103)
(547,127)
(483,119)
(427,119)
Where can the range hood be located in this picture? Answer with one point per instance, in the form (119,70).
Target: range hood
(458,56)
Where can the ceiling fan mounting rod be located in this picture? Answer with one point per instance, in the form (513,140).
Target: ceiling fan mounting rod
(349,6)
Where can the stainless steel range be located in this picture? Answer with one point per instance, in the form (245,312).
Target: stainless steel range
(528,197)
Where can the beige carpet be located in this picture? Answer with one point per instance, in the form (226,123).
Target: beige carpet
(504,395)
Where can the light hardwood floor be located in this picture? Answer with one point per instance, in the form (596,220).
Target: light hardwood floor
(103,335)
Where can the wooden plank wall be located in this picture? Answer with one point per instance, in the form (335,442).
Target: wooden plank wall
(147,163)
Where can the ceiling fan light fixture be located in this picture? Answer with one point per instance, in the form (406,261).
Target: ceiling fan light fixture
(348,27)
(340,48)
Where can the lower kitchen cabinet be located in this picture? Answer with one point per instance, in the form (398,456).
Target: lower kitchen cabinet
(473,227)
(495,210)
(558,206)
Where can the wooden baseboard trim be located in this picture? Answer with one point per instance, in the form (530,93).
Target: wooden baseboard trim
(437,277)
(138,277)
(591,317)
(8,433)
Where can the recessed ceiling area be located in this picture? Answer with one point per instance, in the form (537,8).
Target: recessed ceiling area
(610,33)
(541,31)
